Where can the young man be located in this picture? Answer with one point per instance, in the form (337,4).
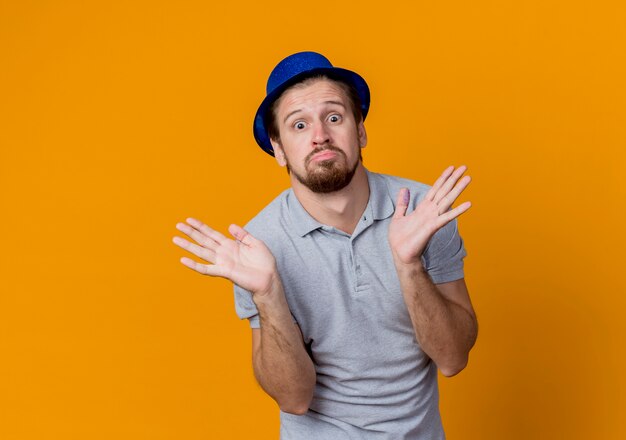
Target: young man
(352,280)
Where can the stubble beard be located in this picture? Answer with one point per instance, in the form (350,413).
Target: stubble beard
(326,176)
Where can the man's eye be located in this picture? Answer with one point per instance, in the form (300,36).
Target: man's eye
(334,118)
(299,125)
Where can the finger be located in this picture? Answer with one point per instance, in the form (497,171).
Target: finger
(204,269)
(241,234)
(197,236)
(449,184)
(206,230)
(440,181)
(443,219)
(198,251)
(201,233)
(402,202)
(449,199)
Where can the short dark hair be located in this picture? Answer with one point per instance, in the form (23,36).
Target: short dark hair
(348,89)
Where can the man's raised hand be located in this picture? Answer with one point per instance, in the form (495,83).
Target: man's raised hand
(245,261)
(409,234)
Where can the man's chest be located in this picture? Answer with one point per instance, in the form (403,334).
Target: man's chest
(342,290)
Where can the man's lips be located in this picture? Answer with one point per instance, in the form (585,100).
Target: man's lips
(323,155)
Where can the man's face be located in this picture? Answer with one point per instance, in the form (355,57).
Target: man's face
(319,139)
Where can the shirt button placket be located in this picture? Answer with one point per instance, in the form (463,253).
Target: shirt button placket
(356,267)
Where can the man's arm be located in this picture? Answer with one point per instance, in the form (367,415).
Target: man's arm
(442,315)
(281,364)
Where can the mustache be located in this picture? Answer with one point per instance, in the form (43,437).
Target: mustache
(309,156)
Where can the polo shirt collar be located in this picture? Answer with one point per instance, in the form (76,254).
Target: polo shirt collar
(380,202)
(303,223)
(379,206)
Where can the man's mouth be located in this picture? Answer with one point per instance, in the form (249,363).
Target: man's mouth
(323,155)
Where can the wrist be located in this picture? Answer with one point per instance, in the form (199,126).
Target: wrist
(406,259)
(411,265)
(273,293)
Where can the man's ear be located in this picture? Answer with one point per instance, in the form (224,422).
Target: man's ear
(362,134)
(279,154)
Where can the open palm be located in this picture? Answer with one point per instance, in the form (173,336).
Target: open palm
(246,262)
(409,234)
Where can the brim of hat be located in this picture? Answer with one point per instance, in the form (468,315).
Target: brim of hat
(260,131)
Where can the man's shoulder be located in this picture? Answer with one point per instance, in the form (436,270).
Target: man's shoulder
(393,185)
(264,224)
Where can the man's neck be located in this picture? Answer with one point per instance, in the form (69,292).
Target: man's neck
(340,209)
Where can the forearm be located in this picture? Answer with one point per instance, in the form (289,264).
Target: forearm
(281,364)
(445,330)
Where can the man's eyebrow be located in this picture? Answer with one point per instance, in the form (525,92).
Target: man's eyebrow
(335,102)
(299,110)
(290,115)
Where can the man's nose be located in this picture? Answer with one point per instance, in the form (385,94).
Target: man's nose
(321,135)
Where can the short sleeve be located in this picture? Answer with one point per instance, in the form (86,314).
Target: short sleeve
(245,307)
(444,254)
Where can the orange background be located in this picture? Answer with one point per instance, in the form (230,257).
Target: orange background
(119,119)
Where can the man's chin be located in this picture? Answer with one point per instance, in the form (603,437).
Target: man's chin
(324,166)
(327,180)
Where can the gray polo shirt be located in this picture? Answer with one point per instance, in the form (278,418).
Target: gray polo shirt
(373,379)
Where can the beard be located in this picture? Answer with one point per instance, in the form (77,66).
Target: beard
(326,176)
